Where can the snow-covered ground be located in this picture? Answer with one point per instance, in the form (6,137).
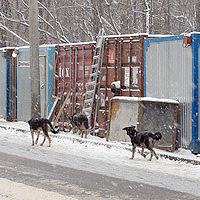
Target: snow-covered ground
(66,144)
(66,138)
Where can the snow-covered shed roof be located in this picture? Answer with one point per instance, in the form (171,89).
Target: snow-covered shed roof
(151,99)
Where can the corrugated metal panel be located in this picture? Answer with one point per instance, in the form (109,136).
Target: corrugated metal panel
(50,78)
(168,74)
(199,93)
(11,90)
(47,63)
(23,86)
(3,85)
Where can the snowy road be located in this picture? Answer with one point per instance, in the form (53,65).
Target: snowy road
(96,170)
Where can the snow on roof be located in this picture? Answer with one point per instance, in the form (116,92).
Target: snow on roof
(77,43)
(126,35)
(136,34)
(124,98)
(51,45)
(191,33)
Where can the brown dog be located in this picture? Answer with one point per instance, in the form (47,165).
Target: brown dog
(143,140)
(38,124)
(80,122)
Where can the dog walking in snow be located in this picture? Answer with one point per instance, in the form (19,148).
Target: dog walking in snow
(80,122)
(142,139)
(38,124)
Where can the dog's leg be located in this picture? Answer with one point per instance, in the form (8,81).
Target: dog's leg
(152,153)
(86,133)
(73,130)
(43,140)
(142,152)
(133,153)
(81,132)
(49,139)
(38,134)
(151,156)
(155,154)
(32,134)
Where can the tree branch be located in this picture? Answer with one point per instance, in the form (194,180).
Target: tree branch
(3,27)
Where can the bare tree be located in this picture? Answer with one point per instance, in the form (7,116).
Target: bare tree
(147,15)
(64,21)
(198,16)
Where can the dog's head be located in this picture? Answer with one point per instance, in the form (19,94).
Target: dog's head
(130,130)
(157,135)
(29,121)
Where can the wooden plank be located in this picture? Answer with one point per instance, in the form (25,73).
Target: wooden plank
(61,109)
(50,116)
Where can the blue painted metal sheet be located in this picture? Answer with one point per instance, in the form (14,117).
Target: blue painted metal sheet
(50,77)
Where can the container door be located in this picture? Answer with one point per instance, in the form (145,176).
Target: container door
(23,86)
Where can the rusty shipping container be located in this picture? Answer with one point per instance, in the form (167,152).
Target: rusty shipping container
(122,63)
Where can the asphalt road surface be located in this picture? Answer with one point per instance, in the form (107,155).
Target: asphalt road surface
(79,184)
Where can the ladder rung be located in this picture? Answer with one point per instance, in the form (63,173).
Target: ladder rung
(93,74)
(95,66)
(96,57)
(89,109)
(88,100)
(91,83)
(99,42)
(89,92)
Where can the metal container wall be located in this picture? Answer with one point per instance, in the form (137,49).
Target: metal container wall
(168,64)
(8,84)
(47,63)
(3,84)
(23,85)
(72,74)
(122,61)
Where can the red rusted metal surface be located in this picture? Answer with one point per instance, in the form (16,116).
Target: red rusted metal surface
(72,74)
(122,61)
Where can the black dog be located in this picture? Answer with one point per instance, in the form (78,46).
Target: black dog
(40,123)
(80,122)
(143,139)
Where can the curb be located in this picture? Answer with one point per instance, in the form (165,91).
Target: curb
(109,145)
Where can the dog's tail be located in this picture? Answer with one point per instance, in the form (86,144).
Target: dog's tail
(52,129)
